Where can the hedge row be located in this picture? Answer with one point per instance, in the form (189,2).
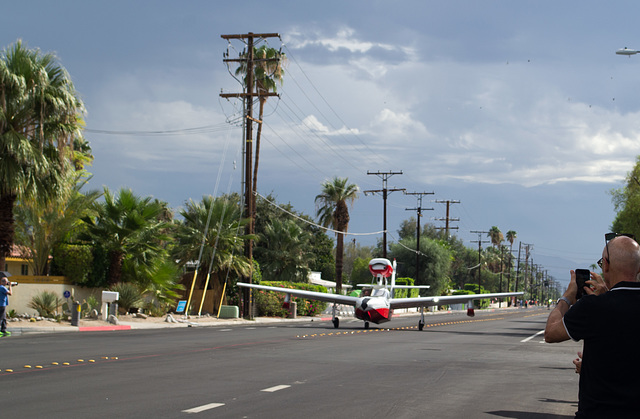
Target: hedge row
(270,303)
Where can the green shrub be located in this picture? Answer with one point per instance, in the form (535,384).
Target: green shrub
(473,289)
(92,303)
(46,303)
(270,303)
(73,261)
(129,296)
(406,293)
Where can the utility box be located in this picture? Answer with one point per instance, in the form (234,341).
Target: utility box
(229,312)
(109,303)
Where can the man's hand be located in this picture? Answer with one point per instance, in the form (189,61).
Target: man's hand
(572,289)
(578,362)
(596,285)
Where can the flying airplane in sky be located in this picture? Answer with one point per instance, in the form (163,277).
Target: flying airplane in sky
(627,51)
(376,305)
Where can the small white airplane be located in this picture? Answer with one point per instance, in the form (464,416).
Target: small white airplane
(627,51)
(378,303)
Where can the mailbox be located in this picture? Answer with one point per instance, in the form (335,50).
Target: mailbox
(110,296)
(109,299)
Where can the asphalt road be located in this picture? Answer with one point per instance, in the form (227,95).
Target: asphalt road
(494,365)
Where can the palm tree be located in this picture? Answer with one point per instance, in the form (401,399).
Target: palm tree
(129,229)
(285,251)
(40,119)
(496,236)
(222,250)
(42,224)
(332,210)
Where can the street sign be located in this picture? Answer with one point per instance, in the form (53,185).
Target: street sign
(67,294)
(182,304)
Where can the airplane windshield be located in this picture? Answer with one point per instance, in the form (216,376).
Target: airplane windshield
(381,292)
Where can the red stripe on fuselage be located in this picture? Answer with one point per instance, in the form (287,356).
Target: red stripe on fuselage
(378,316)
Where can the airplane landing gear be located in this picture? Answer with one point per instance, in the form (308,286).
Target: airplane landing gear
(421,322)
(366,325)
(336,322)
(420,325)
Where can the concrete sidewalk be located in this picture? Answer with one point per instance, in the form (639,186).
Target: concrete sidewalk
(16,328)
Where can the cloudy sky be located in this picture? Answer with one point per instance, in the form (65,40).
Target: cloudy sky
(519,110)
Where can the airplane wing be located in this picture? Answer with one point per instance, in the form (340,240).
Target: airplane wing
(445,299)
(310,295)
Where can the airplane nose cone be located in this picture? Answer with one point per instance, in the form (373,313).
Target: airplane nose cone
(364,304)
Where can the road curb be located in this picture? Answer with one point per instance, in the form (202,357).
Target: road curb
(103,328)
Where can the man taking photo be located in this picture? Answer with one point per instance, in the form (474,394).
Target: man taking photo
(609,326)
(5,292)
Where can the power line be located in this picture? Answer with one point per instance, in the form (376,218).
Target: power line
(183,131)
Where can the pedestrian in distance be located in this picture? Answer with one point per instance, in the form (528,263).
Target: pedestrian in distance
(609,327)
(5,292)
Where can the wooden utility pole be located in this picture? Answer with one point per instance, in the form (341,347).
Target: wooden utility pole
(518,266)
(527,253)
(248,96)
(479,241)
(384,176)
(419,210)
(447,219)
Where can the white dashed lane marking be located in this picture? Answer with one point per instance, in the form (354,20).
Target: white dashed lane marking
(275,388)
(532,336)
(203,408)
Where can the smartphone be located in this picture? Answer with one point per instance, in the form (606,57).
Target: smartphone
(582,276)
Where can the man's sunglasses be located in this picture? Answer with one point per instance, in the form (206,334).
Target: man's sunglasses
(607,238)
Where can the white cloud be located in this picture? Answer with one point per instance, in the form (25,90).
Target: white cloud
(344,39)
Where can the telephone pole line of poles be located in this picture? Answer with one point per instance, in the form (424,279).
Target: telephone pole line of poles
(446,228)
(419,210)
(527,252)
(479,241)
(384,176)
(247,96)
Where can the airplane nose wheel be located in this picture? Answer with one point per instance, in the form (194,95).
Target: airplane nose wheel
(336,323)
(420,325)
(366,325)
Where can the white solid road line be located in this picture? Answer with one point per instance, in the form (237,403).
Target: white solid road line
(203,408)
(532,336)
(276,388)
